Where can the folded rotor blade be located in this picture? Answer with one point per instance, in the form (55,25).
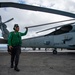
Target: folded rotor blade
(36,8)
(9,20)
(50,23)
(54,27)
(0,19)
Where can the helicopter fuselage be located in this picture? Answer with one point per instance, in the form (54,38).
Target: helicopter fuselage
(56,39)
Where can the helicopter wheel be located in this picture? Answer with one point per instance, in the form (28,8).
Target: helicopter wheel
(34,49)
(54,51)
(38,48)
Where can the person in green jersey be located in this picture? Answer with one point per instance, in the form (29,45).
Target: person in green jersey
(14,43)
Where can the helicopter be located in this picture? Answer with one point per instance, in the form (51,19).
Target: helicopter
(5,32)
(62,37)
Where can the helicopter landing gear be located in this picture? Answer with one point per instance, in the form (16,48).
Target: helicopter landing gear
(55,51)
(34,49)
(39,48)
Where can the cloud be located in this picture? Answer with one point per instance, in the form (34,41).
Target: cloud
(21,1)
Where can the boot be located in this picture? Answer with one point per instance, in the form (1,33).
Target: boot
(12,65)
(16,69)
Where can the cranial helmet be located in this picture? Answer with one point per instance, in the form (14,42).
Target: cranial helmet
(15,26)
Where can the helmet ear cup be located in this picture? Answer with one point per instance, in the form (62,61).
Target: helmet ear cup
(14,28)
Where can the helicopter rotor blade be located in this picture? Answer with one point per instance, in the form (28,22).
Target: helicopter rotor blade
(54,27)
(36,8)
(50,23)
(0,19)
(9,20)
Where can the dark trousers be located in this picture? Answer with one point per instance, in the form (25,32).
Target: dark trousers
(15,54)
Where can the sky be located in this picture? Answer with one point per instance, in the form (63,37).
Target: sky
(28,18)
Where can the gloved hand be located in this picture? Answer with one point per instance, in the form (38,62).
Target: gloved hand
(26,28)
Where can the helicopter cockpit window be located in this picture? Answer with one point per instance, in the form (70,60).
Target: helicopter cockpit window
(62,30)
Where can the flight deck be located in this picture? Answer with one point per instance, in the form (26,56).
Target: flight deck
(40,63)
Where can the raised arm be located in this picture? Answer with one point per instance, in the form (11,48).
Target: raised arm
(22,34)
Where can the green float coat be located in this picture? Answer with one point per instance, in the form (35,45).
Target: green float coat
(15,38)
